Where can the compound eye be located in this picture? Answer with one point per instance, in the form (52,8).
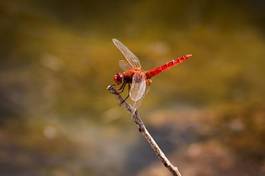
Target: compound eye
(118,78)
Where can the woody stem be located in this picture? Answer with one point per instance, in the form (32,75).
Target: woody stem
(142,129)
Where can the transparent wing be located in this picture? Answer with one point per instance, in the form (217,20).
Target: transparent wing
(137,104)
(124,65)
(147,89)
(129,56)
(138,86)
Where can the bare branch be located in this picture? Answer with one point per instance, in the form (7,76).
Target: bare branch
(142,129)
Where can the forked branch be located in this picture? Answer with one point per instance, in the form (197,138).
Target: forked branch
(142,129)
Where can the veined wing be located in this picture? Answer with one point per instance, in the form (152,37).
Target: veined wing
(138,86)
(124,65)
(129,56)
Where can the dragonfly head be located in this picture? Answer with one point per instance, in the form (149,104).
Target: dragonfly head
(118,78)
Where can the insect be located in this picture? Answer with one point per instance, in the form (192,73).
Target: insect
(135,77)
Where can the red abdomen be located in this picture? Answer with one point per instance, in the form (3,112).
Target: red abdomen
(155,71)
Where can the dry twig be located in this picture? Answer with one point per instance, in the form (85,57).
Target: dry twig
(142,129)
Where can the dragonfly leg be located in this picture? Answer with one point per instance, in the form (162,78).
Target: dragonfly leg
(121,89)
(129,87)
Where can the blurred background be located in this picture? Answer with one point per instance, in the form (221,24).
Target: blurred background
(57,57)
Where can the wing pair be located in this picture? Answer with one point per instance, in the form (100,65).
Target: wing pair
(138,86)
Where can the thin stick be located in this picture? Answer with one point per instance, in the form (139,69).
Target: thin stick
(142,129)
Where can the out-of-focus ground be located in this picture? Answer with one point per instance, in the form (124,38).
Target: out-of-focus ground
(207,114)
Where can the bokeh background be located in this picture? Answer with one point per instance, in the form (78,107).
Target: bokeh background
(57,57)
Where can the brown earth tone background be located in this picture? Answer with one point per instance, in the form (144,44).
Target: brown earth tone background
(207,114)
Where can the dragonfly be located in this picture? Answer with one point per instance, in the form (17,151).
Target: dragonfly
(135,77)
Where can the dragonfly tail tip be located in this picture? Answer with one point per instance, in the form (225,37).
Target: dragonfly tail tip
(188,55)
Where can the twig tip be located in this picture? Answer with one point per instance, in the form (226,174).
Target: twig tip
(109,87)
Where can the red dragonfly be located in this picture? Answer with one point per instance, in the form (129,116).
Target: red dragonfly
(134,76)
